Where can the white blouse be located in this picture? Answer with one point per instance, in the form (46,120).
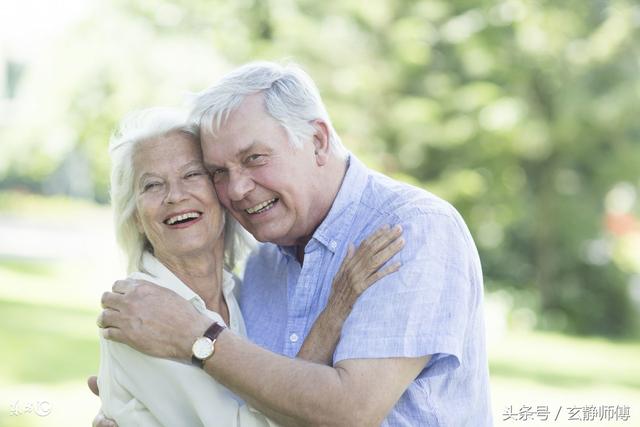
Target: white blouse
(140,390)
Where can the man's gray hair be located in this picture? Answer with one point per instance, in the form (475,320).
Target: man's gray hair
(134,129)
(290,97)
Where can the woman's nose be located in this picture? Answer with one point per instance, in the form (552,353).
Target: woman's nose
(176,192)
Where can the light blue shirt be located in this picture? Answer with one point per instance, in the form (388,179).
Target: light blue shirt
(431,306)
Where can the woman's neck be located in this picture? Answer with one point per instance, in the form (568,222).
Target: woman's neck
(202,273)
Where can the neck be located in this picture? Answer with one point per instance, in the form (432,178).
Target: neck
(327,190)
(202,273)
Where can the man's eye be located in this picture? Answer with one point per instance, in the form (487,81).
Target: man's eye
(254,158)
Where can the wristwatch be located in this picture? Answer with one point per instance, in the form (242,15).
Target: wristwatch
(204,346)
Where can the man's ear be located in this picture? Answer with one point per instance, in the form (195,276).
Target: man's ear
(321,144)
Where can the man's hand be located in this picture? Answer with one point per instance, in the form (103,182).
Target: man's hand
(151,319)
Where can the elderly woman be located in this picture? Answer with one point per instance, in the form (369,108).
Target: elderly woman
(175,233)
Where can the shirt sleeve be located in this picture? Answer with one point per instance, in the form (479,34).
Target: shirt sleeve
(119,404)
(140,390)
(423,309)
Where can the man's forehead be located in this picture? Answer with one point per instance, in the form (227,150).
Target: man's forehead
(219,152)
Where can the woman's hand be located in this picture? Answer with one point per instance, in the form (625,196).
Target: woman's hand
(99,420)
(362,267)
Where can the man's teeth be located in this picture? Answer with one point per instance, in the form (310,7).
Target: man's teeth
(182,217)
(261,207)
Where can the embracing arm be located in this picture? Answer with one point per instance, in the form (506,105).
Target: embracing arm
(354,392)
(359,270)
(292,391)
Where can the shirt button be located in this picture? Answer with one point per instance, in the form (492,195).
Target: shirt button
(333,244)
(293,338)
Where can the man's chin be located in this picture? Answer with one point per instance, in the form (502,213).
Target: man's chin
(271,236)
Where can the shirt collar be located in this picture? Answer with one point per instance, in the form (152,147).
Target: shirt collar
(333,230)
(167,279)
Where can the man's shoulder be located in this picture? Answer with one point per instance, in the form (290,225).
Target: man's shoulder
(392,198)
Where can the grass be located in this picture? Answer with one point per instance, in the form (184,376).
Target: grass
(535,368)
(49,341)
(568,362)
(66,337)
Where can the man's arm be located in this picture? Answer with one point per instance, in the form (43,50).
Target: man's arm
(354,392)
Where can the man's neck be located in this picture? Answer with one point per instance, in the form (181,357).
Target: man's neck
(333,183)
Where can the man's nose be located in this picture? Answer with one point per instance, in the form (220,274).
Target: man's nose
(240,184)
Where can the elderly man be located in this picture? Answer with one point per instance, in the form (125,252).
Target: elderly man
(412,352)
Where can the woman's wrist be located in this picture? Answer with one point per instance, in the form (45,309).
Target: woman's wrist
(340,305)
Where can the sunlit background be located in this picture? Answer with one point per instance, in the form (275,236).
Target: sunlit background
(525,114)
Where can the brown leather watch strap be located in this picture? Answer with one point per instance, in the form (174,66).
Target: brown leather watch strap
(212,333)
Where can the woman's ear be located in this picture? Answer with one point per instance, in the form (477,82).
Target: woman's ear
(321,144)
(138,223)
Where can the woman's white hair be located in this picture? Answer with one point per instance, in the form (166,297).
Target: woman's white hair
(134,129)
(290,97)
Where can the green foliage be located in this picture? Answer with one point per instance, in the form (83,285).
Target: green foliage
(522,113)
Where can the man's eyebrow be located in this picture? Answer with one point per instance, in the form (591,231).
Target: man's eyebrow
(210,166)
(239,155)
(244,151)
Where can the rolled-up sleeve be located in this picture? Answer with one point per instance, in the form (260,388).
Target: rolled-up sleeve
(423,308)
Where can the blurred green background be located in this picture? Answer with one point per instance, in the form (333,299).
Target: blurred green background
(522,113)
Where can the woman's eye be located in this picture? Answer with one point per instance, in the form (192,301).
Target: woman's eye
(151,186)
(194,173)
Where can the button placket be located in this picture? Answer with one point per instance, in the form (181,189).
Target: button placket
(299,306)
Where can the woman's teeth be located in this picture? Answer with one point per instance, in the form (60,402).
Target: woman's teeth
(178,218)
(264,206)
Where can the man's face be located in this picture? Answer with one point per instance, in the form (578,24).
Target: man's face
(268,185)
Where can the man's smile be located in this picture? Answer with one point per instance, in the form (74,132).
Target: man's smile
(262,207)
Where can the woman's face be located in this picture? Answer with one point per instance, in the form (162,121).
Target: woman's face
(177,207)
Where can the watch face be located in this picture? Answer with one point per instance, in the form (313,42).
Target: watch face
(202,348)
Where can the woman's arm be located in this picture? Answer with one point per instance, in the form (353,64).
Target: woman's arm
(360,269)
(117,401)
